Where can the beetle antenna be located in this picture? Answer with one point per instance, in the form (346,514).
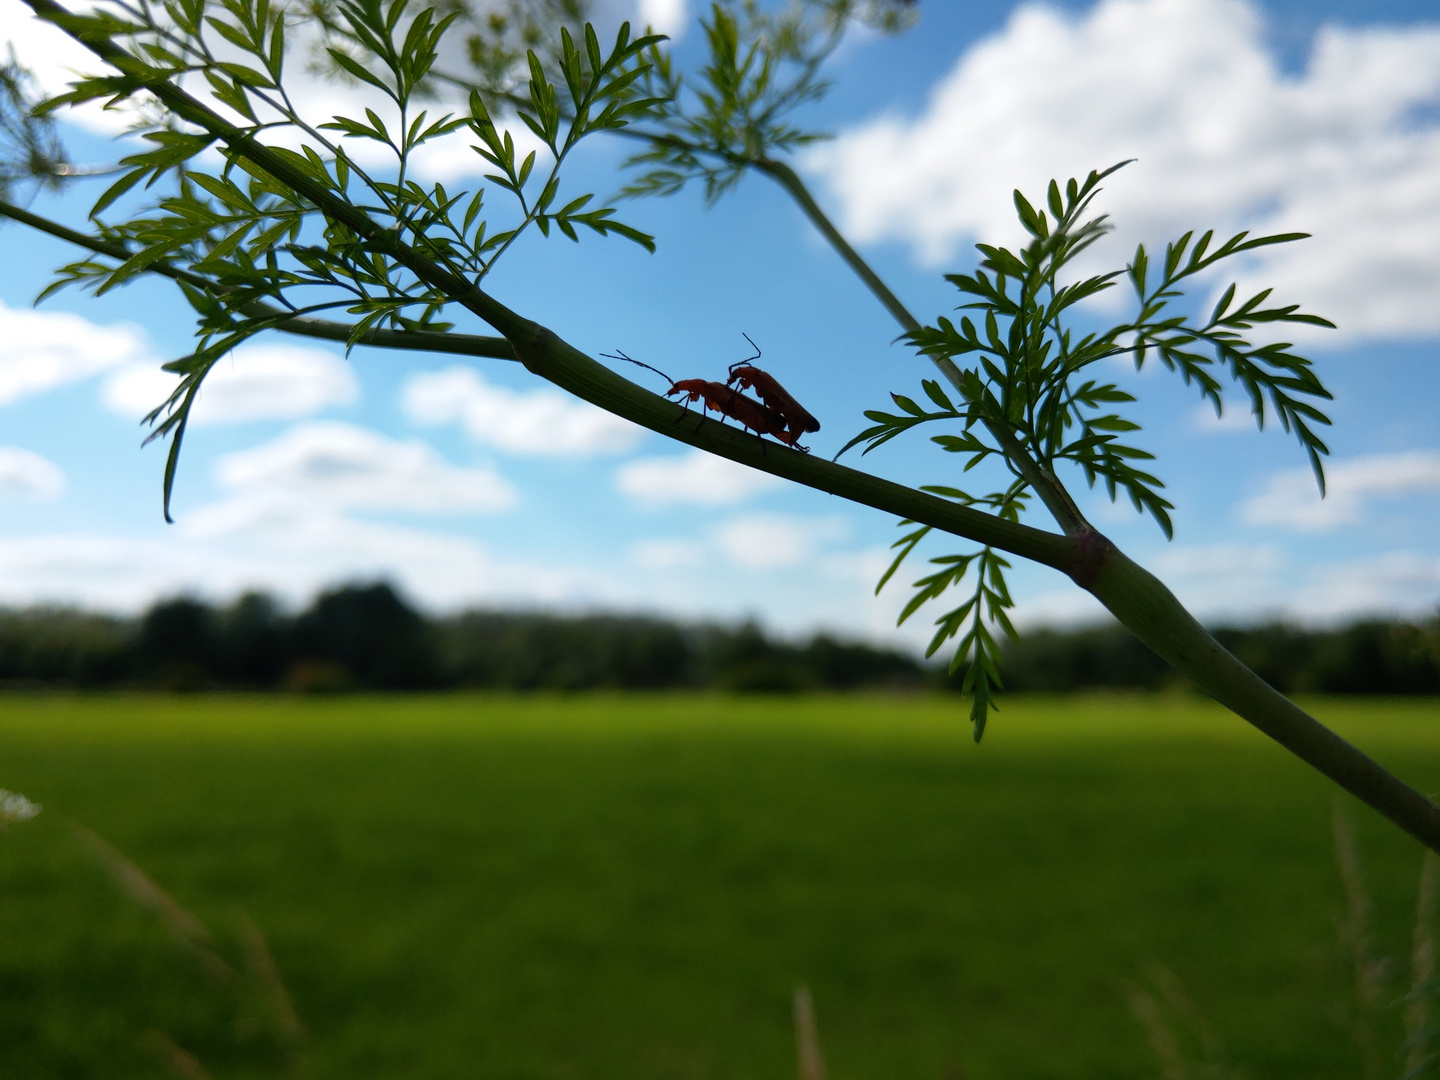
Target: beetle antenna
(739,363)
(638,363)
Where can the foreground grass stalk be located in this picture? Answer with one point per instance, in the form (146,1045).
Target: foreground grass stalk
(807,1037)
(1418,1031)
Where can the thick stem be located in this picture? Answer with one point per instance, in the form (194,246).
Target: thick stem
(1136,598)
(556,361)
(1151,612)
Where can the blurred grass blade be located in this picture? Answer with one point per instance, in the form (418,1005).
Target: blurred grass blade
(183,924)
(182,1064)
(1178,1000)
(1160,1033)
(260,965)
(1356,943)
(807,1038)
(1418,1036)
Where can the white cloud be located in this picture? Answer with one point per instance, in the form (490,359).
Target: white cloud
(40,350)
(28,475)
(343,466)
(772,541)
(1291,498)
(1391,583)
(694,477)
(767,541)
(255,382)
(668,553)
(1236,417)
(299,486)
(56,59)
(1346,151)
(1223,580)
(109,572)
(664,16)
(1218,561)
(441,571)
(541,423)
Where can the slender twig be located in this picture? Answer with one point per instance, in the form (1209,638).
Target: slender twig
(496,348)
(1048,487)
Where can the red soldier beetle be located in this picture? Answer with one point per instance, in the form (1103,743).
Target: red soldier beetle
(723,399)
(797,419)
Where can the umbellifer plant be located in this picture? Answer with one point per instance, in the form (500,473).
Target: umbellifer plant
(289,228)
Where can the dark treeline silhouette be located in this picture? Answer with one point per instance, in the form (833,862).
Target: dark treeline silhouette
(1370,657)
(365,637)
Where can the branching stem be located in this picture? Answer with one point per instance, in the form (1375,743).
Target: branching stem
(495,348)
(1143,604)
(1139,600)
(1047,486)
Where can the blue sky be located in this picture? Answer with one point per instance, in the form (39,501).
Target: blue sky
(470,484)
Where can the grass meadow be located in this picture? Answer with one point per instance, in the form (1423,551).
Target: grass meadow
(633,886)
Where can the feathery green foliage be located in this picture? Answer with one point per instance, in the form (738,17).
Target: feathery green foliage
(30,150)
(1030,375)
(247,237)
(736,112)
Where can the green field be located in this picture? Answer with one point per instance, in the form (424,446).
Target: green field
(632,886)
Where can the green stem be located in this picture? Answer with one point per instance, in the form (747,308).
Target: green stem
(496,348)
(555,360)
(1143,604)
(1047,486)
(787,178)
(1152,613)
(559,362)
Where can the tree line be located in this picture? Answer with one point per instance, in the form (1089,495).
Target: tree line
(365,637)
(1372,656)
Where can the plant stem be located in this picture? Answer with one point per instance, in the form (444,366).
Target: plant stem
(1150,611)
(1047,486)
(544,353)
(496,348)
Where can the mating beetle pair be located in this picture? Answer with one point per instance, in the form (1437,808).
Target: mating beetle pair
(777,413)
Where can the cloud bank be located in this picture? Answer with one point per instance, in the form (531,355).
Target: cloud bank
(333,466)
(1291,499)
(255,382)
(536,423)
(1349,150)
(40,350)
(695,477)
